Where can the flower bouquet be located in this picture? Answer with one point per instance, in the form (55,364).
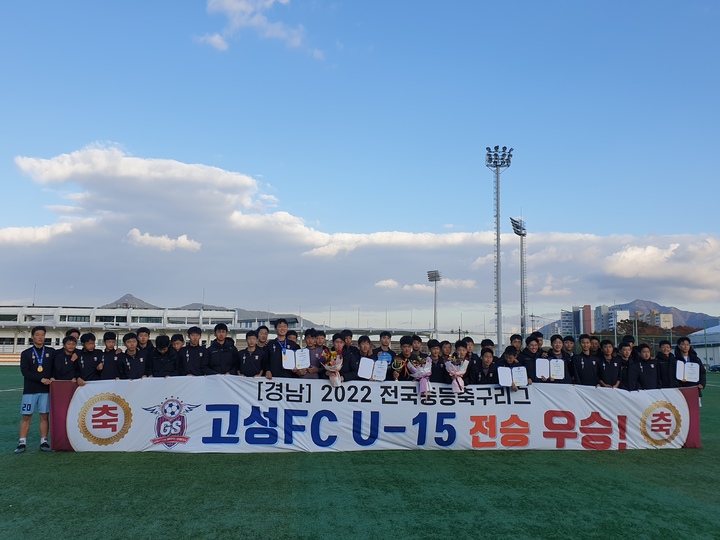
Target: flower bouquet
(456,368)
(421,369)
(332,364)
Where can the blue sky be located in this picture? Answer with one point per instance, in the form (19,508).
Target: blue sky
(362,118)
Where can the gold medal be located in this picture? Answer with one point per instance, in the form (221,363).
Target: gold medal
(40,368)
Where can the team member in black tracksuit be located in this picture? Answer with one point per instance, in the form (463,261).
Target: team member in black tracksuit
(222,354)
(644,373)
(89,362)
(193,357)
(164,359)
(529,354)
(610,372)
(666,364)
(685,353)
(487,372)
(351,356)
(143,339)
(438,365)
(276,349)
(113,366)
(557,352)
(253,360)
(627,362)
(585,366)
(135,360)
(64,364)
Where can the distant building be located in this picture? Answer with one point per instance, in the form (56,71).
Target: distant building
(16,322)
(576,322)
(663,320)
(602,318)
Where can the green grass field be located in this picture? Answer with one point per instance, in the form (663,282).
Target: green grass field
(461,494)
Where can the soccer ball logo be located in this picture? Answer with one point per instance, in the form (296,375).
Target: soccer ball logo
(171,408)
(171,421)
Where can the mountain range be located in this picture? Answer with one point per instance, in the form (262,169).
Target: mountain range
(680,317)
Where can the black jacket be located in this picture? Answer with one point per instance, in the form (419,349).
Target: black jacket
(222,358)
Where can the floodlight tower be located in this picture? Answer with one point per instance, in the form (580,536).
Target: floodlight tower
(434,277)
(498,159)
(518,225)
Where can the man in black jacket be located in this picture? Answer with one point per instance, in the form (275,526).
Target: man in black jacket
(222,354)
(164,359)
(193,357)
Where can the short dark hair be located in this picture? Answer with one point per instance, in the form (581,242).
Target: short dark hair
(262,327)
(68,339)
(643,346)
(418,338)
(510,351)
(278,322)
(460,344)
(682,339)
(310,332)
(143,330)
(584,336)
(319,333)
(530,339)
(177,337)
(346,333)
(292,333)
(555,337)
(194,330)
(433,343)
(129,336)
(537,334)
(385,333)
(72,331)
(605,342)
(38,329)
(487,343)
(485,350)
(664,342)
(363,339)
(220,326)
(406,340)
(624,345)
(250,333)
(569,338)
(515,336)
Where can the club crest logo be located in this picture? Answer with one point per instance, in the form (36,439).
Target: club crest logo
(171,421)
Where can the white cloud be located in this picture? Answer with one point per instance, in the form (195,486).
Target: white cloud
(163,243)
(252,14)
(33,235)
(214,40)
(418,287)
(214,229)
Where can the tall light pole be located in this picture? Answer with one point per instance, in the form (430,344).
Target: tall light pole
(518,226)
(498,159)
(434,277)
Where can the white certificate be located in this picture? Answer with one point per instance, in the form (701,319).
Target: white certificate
(380,370)
(289,359)
(367,365)
(302,358)
(519,376)
(692,372)
(505,376)
(557,368)
(542,368)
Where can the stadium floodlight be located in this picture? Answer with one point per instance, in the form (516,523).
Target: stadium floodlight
(498,161)
(434,277)
(518,225)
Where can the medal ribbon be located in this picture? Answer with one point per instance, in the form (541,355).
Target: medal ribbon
(39,357)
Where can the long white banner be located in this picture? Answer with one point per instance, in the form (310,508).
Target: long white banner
(236,414)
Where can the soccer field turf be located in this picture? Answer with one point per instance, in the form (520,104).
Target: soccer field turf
(402,494)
